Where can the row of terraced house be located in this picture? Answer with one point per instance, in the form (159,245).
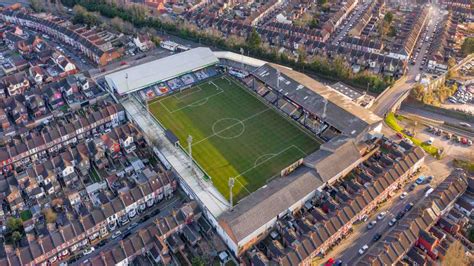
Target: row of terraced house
(96,48)
(34,145)
(52,246)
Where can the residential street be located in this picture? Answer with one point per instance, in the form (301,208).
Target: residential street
(165,208)
(347,250)
(390,97)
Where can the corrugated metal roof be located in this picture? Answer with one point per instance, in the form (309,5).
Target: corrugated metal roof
(144,75)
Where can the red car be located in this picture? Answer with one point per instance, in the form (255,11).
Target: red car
(123,63)
(400,135)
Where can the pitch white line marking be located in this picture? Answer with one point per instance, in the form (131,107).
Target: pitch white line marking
(224,129)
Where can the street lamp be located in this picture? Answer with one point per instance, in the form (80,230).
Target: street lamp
(231,185)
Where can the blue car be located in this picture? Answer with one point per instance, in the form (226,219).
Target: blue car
(420,180)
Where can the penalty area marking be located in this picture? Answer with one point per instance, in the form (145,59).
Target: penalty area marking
(273,155)
(178,97)
(196,103)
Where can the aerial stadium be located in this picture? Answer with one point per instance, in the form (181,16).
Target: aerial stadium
(265,136)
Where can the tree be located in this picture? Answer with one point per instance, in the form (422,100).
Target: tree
(16,237)
(50,215)
(314,23)
(254,39)
(14,224)
(198,261)
(456,255)
(418,91)
(388,17)
(451,62)
(301,54)
(467,46)
(37,5)
(322,2)
(117,24)
(392,31)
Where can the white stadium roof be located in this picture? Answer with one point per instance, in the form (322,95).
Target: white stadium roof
(144,75)
(240,58)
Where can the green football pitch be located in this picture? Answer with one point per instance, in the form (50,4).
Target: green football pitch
(234,134)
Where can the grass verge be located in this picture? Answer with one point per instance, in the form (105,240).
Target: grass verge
(466,165)
(392,121)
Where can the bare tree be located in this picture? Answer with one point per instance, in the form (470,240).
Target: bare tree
(456,255)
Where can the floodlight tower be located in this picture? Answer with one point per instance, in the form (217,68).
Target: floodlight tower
(231,186)
(190,152)
(278,80)
(323,116)
(242,57)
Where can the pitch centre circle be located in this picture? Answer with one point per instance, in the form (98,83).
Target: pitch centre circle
(228,128)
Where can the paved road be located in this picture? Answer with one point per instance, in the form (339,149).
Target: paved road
(165,208)
(390,97)
(351,23)
(348,250)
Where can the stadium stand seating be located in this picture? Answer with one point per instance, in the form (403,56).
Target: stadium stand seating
(186,80)
(175,84)
(271,97)
(329,133)
(262,91)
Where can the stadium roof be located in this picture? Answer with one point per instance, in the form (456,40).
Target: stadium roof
(268,202)
(240,58)
(144,75)
(320,168)
(341,112)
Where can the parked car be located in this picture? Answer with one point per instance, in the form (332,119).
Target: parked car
(88,251)
(403,195)
(400,215)
(464,124)
(420,180)
(116,234)
(409,206)
(376,237)
(429,178)
(363,249)
(371,225)
(392,222)
(381,215)
(412,187)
